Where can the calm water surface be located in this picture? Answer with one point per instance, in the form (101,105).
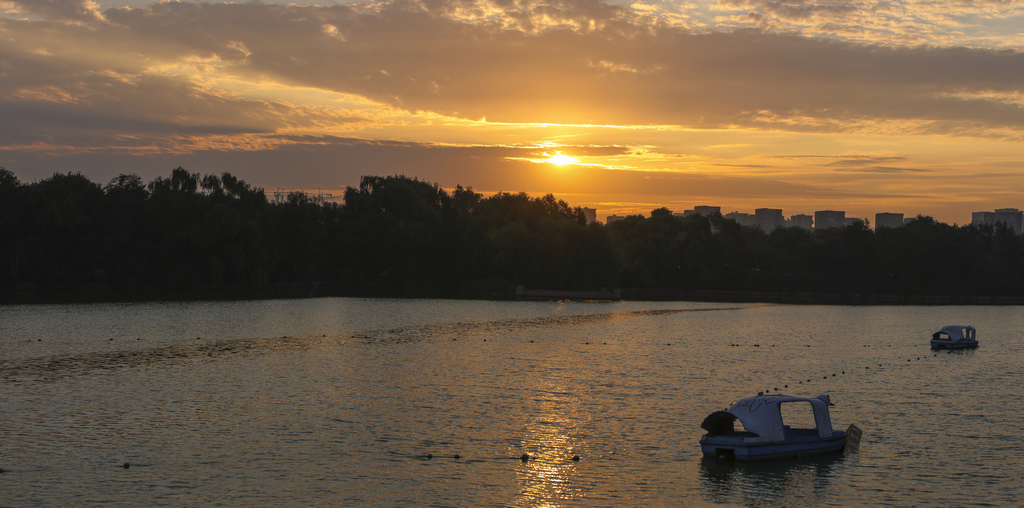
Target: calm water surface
(339,401)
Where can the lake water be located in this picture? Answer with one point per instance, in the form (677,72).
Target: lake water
(339,401)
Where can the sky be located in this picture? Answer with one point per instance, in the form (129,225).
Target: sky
(865,106)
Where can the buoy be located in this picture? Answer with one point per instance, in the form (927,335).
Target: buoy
(457,456)
(126,465)
(524,457)
(430,456)
(576,458)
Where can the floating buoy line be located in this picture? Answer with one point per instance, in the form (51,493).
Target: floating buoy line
(525,457)
(522,458)
(840,373)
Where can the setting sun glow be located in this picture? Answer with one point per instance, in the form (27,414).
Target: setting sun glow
(794,113)
(561,160)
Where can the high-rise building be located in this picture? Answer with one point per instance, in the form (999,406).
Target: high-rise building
(612,218)
(743,219)
(590,214)
(768,218)
(825,219)
(1012,217)
(802,220)
(888,220)
(700,209)
(982,218)
(707,211)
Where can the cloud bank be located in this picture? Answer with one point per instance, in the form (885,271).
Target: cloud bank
(181,78)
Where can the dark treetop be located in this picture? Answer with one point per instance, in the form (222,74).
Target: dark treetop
(396,235)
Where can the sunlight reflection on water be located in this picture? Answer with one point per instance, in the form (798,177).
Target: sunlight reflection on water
(340,401)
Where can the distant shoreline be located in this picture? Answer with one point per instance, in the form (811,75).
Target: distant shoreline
(82,296)
(810,298)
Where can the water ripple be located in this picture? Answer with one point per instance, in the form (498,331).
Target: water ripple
(471,329)
(55,367)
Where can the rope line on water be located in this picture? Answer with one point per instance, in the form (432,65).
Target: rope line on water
(523,458)
(842,372)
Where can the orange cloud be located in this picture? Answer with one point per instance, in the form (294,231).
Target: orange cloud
(744,102)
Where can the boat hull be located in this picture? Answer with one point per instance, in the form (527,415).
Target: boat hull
(938,345)
(736,448)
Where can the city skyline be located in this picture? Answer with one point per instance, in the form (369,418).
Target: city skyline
(770,218)
(912,107)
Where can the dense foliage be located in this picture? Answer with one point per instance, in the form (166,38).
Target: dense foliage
(401,236)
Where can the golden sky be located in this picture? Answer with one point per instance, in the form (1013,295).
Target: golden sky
(907,106)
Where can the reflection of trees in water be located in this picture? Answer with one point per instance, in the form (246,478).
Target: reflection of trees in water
(470,329)
(55,367)
(801,482)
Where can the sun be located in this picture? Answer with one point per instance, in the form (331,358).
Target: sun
(561,160)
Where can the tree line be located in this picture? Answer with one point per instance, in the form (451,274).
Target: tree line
(395,235)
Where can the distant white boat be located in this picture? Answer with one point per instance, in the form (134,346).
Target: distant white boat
(955,337)
(766,436)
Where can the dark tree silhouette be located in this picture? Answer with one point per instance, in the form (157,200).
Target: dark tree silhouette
(396,235)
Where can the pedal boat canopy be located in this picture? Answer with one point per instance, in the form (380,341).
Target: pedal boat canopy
(955,336)
(764,434)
